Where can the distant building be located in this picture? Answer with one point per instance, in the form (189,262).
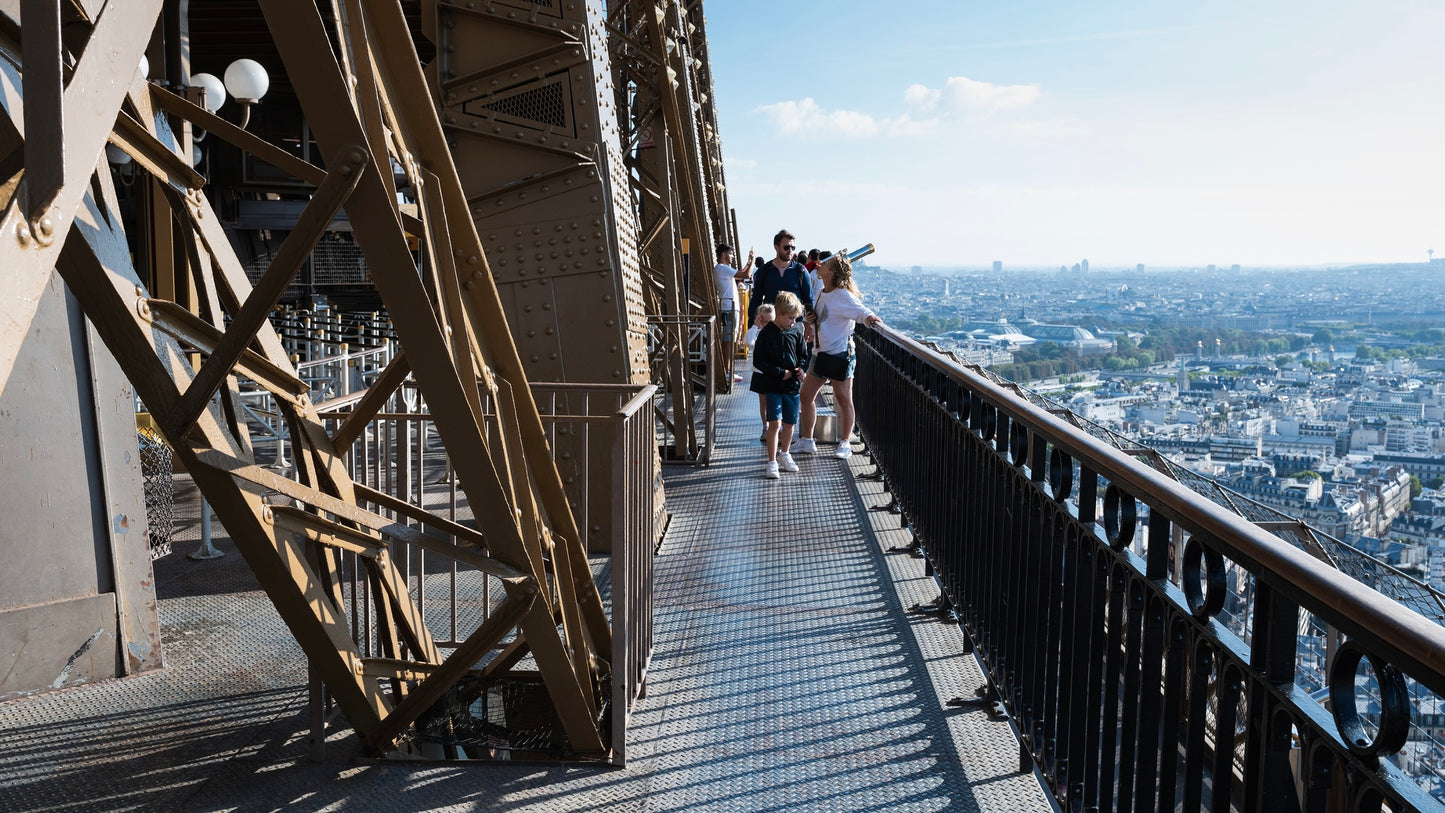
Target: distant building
(1362,506)
(1386,409)
(1084,264)
(1425,466)
(1076,338)
(1234,268)
(1139,268)
(997,266)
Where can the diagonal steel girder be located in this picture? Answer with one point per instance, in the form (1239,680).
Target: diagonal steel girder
(663,87)
(454,333)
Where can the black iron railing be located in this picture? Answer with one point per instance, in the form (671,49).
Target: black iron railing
(1127,689)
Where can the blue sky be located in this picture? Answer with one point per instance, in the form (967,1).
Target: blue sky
(1265,133)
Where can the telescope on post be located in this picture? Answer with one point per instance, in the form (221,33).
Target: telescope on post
(857,254)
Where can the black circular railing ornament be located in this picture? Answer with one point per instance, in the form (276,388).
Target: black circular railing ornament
(1121,515)
(1201,560)
(988,425)
(1018,444)
(1061,475)
(1394,727)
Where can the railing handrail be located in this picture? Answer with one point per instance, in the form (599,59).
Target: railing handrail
(1406,639)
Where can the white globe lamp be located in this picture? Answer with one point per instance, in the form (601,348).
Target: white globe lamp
(247,81)
(215,90)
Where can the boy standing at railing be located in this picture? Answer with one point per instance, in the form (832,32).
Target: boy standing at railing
(778,359)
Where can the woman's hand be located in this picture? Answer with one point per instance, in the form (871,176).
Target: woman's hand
(872,320)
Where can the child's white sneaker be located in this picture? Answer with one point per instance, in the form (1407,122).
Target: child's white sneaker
(785,461)
(844,451)
(772,471)
(804,446)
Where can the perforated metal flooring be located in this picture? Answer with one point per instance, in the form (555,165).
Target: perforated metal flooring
(787,676)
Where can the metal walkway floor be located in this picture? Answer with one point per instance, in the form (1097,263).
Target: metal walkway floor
(787,676)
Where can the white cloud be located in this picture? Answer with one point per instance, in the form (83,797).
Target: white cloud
(929,108)
(963,96)
(807,120)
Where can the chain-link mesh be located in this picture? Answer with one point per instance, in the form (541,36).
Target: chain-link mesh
(156,469)
(509,715)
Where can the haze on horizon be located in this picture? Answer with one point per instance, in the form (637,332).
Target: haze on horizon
(1270,134)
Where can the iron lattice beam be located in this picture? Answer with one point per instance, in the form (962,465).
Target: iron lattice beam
(367,111)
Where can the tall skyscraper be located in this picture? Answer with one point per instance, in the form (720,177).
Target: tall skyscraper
(1084,264)
(997,266)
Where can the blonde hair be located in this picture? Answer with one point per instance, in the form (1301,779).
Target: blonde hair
(765,308)
(787,303)
(843,273)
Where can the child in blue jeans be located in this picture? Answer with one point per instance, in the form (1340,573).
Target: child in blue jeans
(778,360)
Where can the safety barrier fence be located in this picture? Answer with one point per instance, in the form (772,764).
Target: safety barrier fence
(681,353)
(1129,690)
(602,441)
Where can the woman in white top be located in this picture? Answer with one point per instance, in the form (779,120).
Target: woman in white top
(835,310)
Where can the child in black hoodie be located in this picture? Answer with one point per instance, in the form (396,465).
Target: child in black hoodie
(778,361)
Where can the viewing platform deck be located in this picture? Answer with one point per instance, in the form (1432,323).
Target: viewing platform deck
(788,675)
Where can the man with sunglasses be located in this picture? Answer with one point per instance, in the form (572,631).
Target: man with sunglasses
(782,274)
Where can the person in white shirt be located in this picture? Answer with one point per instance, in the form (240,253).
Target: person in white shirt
(728,300)
(836,309)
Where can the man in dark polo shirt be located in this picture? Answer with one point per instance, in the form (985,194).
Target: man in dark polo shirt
(782,274)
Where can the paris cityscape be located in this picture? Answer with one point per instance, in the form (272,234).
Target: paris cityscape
(1316,391)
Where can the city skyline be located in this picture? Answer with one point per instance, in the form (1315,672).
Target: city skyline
(1282,134)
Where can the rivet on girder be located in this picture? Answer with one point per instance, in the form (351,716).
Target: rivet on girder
(550,331)
(22,234)
(531,334)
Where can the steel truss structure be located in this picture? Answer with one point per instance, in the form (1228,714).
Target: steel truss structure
(69,86)
(587,148)
(664,84)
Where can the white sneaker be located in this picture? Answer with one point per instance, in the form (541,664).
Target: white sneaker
(772,470)
(844,452)
(785,461)
(804,446)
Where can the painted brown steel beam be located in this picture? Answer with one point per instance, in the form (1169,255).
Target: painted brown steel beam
(321,88)
(267,293)
(30,246)
(485,311)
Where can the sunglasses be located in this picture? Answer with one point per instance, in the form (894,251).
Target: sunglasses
(790,248)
